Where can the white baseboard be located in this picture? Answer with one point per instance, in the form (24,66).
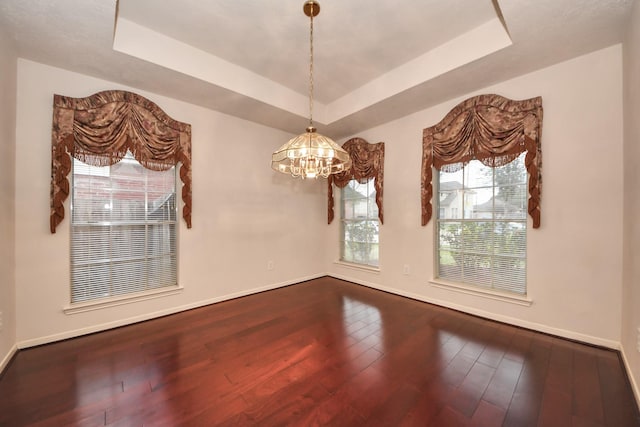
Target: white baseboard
(634,385)
(7,358)
(576,336)
(148,316)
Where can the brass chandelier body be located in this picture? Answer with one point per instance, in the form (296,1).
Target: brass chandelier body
(310,154)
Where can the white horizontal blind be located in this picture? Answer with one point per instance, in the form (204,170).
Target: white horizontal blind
(482,226)
(359,241)
(123,230)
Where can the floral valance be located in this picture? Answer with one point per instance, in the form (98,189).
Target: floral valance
(100,129)
(367,162)
(492,129)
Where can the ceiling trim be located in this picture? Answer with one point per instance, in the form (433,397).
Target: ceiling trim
(477,43)
(143,43)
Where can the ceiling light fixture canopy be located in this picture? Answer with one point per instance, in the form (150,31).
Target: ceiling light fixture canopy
(310,154)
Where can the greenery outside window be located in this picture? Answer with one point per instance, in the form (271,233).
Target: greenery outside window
(123,230)
(360,225)
(482,226)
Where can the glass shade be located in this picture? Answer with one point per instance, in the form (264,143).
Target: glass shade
(310,155)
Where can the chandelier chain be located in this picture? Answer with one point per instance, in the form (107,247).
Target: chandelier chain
(311,69)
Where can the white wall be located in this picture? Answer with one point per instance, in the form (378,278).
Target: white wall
(244,214)
(8,67)
(631,267)
(575,258)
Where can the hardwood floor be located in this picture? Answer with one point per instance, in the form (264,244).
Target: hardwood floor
(323,352)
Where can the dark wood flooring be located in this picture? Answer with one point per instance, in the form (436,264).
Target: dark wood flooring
(323,352)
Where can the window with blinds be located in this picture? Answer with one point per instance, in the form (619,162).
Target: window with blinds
(482,226)
(123,230)
(359,224)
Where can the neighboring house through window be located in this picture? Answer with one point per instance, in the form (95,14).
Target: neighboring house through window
(360,224)
(123,230)
(482,226)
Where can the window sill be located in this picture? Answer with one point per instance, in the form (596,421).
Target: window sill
(362,267)
(483,293)
(83,307)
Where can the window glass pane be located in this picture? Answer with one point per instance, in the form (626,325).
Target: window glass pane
(481,226)
(355,190)
(360,225)
(127,206)
(123,231)
(92,281)
(370,229)
(91,199)
(373,255)
(355,208)
(91,245)
(511,202)
(476,269)
(450,265)
(128,277)
(452,177)
(512,173)
(477,237)
(162,208)
(510,238)
(472,198)
(361,253)
(162,271)
(450,235)
(373,207)
(451,200)
(477,175)
(361,231)
(127,242)
(509,273)
(161,240)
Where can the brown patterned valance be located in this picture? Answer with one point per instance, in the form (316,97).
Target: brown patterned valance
(367,161)
(99,130)
(492,129)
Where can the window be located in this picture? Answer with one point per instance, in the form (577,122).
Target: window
(360,224)
(123,230)
(485,244)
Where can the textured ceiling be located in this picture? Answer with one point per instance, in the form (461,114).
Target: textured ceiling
(374,61)
(354,42)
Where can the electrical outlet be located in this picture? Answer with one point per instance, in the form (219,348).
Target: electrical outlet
(406,270)
(269,265)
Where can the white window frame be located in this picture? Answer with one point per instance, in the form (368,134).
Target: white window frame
(131,293)
(466,287)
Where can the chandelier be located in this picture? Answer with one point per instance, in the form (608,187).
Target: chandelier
(310,154)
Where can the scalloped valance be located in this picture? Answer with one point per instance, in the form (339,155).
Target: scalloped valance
(489,128)
(367,161)
(101,128)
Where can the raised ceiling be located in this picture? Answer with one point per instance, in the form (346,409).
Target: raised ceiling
(374,61)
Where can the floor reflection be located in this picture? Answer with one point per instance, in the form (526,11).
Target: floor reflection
(362,322)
